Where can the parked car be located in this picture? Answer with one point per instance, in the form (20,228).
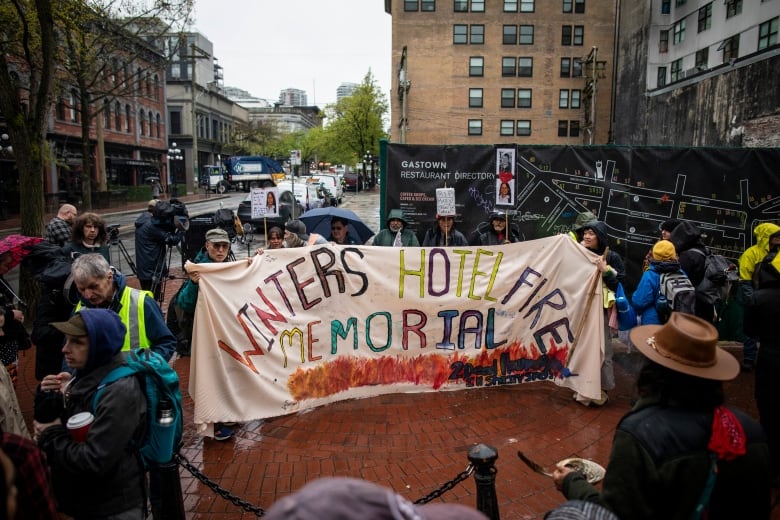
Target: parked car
(333,184)
(244,211)
(309,196)
(351,179)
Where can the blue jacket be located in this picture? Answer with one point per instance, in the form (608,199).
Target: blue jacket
(161,338)
(648,290)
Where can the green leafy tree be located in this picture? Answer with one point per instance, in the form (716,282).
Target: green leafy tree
(27,64)
(356,122)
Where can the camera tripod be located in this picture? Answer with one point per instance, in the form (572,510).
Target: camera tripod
(116,241)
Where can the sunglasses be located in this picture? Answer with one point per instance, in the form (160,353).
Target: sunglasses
(220,245)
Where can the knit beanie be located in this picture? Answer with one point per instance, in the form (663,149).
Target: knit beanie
(663,251)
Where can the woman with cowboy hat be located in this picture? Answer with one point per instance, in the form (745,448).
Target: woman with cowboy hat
(680,453)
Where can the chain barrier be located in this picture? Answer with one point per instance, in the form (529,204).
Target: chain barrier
(224,493)
(436,493)
(259,511)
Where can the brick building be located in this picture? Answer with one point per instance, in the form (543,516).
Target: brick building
(501,71)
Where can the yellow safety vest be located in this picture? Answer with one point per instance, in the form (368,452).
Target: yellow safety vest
(131,313)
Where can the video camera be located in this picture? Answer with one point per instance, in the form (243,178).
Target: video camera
(113,233)
(171,215)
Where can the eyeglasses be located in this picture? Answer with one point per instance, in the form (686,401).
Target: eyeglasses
(220,245)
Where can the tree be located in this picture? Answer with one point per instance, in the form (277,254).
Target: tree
(355,122)
(99,43)
(27,61)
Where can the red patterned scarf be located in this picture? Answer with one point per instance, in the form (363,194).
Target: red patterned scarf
(728,437)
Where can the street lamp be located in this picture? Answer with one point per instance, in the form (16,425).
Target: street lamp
(368,158)
(174,158)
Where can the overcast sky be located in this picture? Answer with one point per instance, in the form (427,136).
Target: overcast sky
(265,46)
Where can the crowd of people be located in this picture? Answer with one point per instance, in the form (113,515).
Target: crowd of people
(680,452)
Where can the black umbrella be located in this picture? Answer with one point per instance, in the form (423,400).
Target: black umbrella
(318,221)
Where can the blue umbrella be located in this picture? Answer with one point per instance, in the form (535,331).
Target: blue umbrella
(318,221)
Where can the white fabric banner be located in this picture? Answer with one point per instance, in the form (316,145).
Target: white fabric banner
(299,328)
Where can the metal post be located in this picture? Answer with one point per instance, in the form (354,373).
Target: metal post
(171,497)
(483,457)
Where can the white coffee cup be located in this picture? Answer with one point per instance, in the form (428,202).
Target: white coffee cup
(79,424)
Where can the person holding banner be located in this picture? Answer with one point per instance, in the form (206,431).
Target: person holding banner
(494,232)
(396,234)
(339,232)
(444,233)
(594,238)
(275,238)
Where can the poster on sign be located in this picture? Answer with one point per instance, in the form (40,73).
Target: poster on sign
(304,327)
(505,176)
(265,203)
(445,202)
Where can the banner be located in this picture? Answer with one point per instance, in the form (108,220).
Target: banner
(299,328)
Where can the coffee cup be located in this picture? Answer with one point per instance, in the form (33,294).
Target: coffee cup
(79,425)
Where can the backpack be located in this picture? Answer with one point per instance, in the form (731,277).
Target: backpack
(719,272)
(675,293)
(164,421)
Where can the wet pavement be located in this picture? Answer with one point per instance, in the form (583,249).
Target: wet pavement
(413,443)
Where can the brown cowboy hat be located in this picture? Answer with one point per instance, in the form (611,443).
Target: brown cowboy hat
(686,344)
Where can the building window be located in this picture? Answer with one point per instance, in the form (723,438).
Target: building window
(661,79)
(574,128)
(676,71)
(666,6)
(705,17)
(461,6)
(733,8)
(524,127)
(576,98)
(73,107)
(579,6)
(508,66)
(156,87)
(128,120)
(477,34)
(60,108)
(526,6)
(507,98)
(476,66)
(579,34)
(151,124)
(563,98)
(730,48)
(475,127)
(411,5)
(767,33)
(175,118)
(106,114)
(679,32)
(159,127)
(576,68)
(460,34)
(510,35)
(702,58)
(507,127)
(524,98)
(563,128)
(526,35)
(510,6)
(141,122)
(475,97)
(567,6)
(565,67)
(525,67)
(678,3)
(566,35)
(477,6)
(117,116)
(663,41)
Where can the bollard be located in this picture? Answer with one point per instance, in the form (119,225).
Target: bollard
(483,457)
(171,499)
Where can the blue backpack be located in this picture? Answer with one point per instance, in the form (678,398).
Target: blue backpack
(164,421)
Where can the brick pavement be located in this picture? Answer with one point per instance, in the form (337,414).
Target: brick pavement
(412,443)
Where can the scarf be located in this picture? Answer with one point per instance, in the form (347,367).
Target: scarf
(728,439)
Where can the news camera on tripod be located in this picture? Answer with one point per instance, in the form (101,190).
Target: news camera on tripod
(154,238)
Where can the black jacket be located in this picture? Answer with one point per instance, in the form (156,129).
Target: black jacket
(149,248)
(686,238)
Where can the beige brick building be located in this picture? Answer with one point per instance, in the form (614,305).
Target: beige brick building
(501,71)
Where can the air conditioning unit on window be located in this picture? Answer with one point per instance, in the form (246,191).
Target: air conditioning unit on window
(689,72)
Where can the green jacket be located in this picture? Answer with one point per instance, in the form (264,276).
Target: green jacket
(188,295)
(386,238)
(659,466)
